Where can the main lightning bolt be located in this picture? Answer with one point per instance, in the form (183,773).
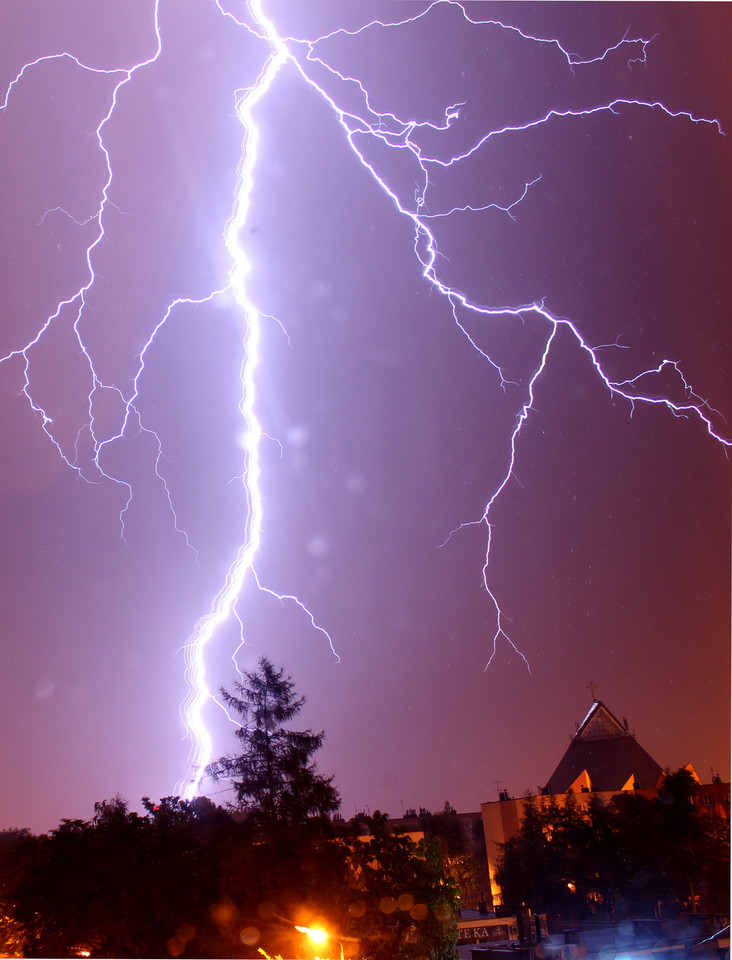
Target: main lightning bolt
(365,126)
(224,603)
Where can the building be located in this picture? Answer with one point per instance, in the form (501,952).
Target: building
(603,759)
(712,798)
(461,835)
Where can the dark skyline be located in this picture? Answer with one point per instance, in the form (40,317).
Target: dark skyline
(384,427)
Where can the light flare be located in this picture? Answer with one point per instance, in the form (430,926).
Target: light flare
(316,935)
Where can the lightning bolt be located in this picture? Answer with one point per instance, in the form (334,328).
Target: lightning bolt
(369,131)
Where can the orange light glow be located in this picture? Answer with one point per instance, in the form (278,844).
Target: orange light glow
(316,935)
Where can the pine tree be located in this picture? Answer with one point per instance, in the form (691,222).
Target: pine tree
(273,774)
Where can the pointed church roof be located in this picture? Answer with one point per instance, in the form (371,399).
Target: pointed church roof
(603,756)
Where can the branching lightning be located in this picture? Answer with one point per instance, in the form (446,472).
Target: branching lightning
(362,128)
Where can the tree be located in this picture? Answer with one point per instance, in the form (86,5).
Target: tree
(273,774)
(379,894)
(628,857)
(16,853)
(403,905)
(120,885)
(696,845)
(463,854)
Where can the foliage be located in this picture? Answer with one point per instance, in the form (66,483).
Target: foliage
(623,858)
(403,903)
(14,848)
(273,774)
(121,884)
(463,855)
(188,879)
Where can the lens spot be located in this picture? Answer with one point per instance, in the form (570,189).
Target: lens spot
(418,912)
(405,902)
(249,935)
(387,904)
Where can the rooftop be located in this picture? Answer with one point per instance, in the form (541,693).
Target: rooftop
(604,756)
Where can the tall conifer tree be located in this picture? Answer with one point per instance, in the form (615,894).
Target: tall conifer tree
(273,773)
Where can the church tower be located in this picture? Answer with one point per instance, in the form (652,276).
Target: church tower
(604,757)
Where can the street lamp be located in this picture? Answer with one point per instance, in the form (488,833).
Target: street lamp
(320,936)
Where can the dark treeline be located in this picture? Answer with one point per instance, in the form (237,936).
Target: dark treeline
(190,878)
(632,857)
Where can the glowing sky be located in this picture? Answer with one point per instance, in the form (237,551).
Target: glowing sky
(384,427)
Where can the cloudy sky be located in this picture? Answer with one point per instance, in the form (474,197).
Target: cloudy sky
(406,304)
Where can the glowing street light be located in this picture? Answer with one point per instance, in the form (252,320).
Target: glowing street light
(317,936)
(320,936)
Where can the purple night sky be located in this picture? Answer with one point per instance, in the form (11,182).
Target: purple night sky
(384,428)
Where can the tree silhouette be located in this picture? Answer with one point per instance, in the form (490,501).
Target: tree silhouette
(273,774)
(630,856)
